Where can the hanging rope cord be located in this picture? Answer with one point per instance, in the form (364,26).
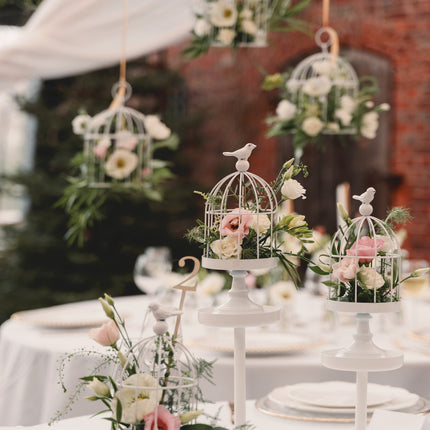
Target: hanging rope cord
(334,38)
(122,83)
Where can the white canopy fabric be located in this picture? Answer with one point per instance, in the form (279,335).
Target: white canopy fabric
(65,37)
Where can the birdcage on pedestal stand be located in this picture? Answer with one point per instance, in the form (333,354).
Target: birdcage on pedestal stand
(117,148)
(365,279)
(240,213)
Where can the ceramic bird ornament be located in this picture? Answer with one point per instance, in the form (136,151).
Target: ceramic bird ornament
(365,199)
(160,314)
(242,156)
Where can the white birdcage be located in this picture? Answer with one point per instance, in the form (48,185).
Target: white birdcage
(117,147)
(159,372)
(366,264)
(235,22)
(321,80)
(240,215)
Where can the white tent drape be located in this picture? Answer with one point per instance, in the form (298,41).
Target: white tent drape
(65,37)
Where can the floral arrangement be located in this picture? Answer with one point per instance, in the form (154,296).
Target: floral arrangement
(321,105)
(243,234)
(142,400)
(364,260)
(119,159)
(231,23)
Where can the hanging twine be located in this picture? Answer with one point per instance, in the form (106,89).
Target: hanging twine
(122,83)
(334,38)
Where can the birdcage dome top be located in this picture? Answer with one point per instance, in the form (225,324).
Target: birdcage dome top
(326,64)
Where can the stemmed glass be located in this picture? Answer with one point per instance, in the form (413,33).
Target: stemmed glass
(152,269)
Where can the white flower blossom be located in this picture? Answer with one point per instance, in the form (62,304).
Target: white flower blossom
(223,13)
(323,67)
(347,103)
(201,27)
(228,247)
(370,278)
(286,110)
(121,163)
(156,128)
(369,124)
(211,284)
(333,126)
(344,116)
(249,27)
(80,123)
(369,104)
(384,107)
(317,86)
(260,223)
(292,189)
(292,85)
(312,126)
(282,292)
(226,36)
(99,388)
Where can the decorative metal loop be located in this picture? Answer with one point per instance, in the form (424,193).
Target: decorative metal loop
(121,85)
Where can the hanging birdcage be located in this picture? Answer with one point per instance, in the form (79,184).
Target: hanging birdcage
(234,23)
(117,147)
(327,85)
(240,215)
(366,264)
(158,379)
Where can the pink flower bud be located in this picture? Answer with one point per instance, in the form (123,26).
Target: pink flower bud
(106,335)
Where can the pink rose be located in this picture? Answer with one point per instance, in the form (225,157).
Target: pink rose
(235,225)
(365,247)
(106,335)
(165,420)
(344,270)
(100,151)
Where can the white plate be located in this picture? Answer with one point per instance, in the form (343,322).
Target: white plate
(258,342)
(337,394)
(71,315)
(400,399)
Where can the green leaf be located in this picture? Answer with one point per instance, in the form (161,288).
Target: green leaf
(318,270)
(330,283)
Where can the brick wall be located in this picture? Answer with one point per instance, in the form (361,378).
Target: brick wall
(224,90)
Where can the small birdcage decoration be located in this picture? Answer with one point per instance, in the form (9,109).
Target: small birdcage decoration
(366,264)
(117,147)
(158,382)
(328,84)
(240,215)
(234,23)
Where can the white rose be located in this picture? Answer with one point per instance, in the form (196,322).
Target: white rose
(211,284)
(388,244)
(226,36)
(292,189)
(347,103)
(201,28)
(156,129)
(249,27)
(282,292)
(286,110)
(370,278)
(369,125)
(344,116)
(317,86)
(322,67)
(228,247)
(312,126)
(223,13)
(80,123)
(260,223)
(246,13)
(292,85)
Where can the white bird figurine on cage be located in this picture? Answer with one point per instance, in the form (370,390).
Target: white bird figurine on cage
(242,153)
(160,314)
(366,197)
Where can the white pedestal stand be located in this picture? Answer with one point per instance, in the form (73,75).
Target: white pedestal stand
(238,313)
(362,356)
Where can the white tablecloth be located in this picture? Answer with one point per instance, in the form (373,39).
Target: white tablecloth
(29,361)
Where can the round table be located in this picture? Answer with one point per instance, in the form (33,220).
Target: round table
(30,357)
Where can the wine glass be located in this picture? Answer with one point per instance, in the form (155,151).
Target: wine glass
(152,269)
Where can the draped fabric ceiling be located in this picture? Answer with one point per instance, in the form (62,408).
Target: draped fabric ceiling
(65,37)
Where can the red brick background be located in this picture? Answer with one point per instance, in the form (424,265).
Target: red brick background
(224,88)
